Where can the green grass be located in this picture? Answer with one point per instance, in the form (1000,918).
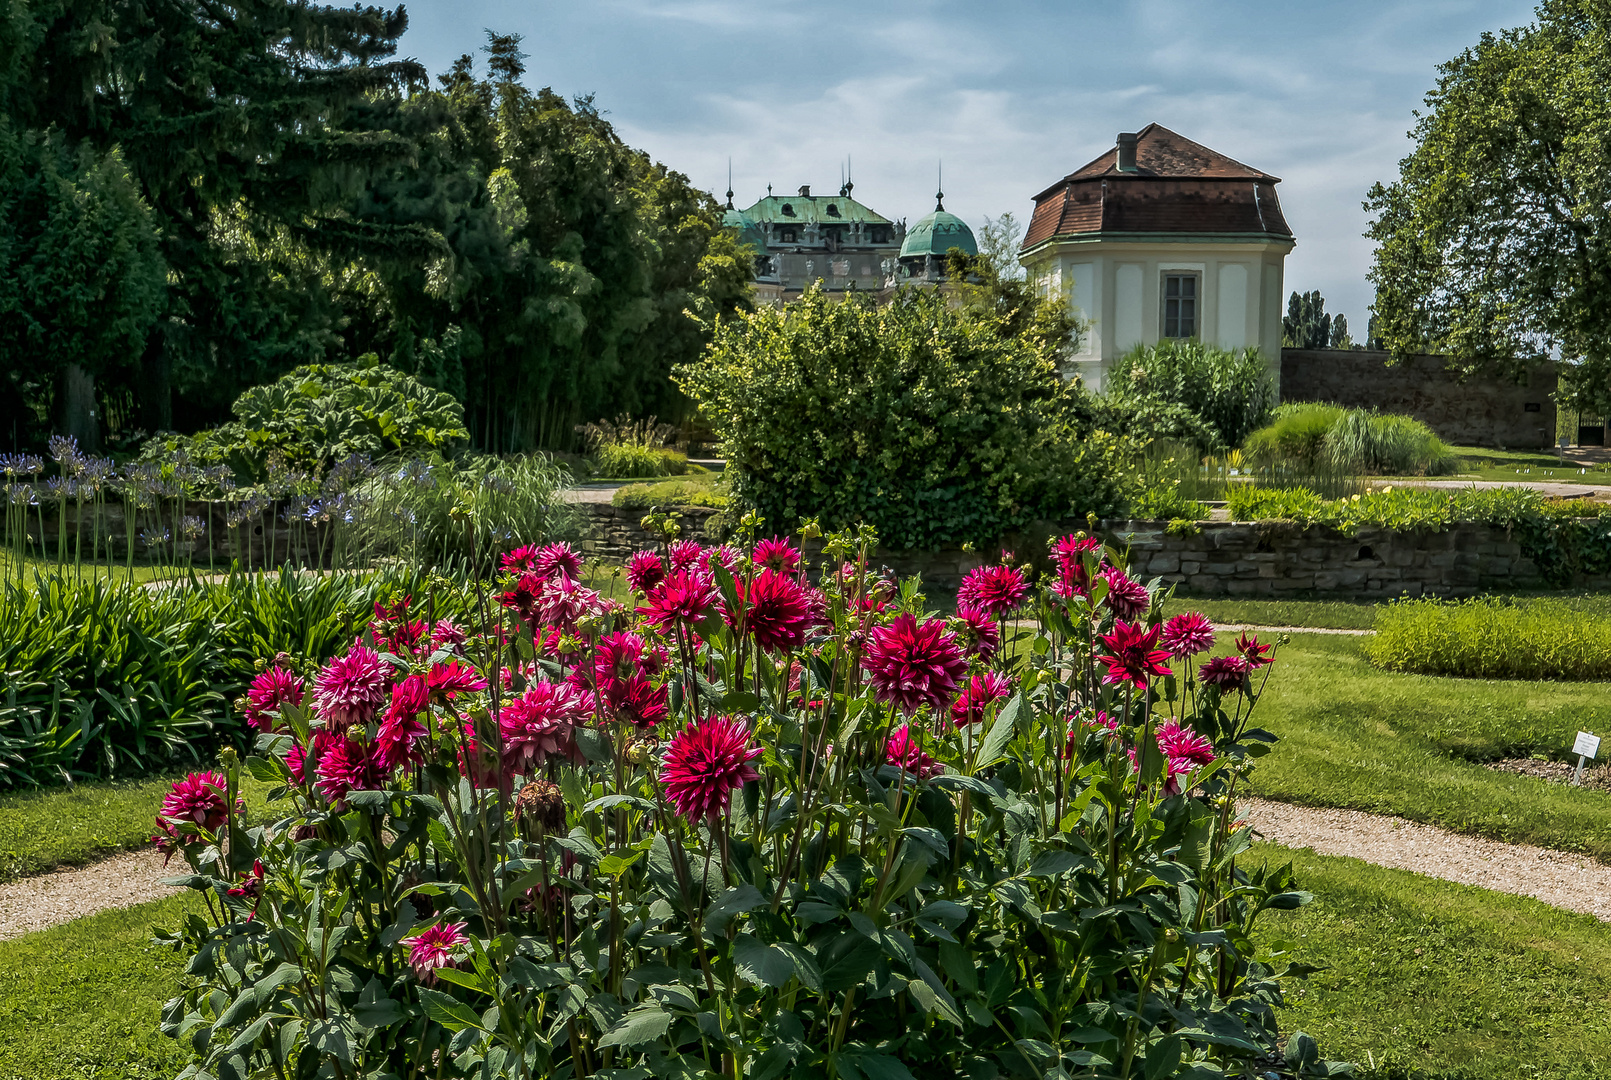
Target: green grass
(1437,981)
(1330,614)
(1489,637)
(705,490)
(82,1000)
(41,830)
(1480,463)
(1356,737)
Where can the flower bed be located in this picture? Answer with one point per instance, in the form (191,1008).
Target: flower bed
(753,825)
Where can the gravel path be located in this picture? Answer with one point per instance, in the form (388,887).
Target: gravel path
(36,903)
(1572,882)
(1237,628)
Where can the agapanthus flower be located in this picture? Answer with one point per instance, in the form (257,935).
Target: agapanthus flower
(453,677)
(433,949)
(995,590)
(980,633)
(1126,598)
(272,688)
(541,724)
(977,695)
(777,554)
(1255,654)
(348,766)
(1229,673)
(682,600)
(351,688)
(777,611)
(1187,634)
(197,799)
(644,571)
(684,555)
(1132,654)
(911,664)
(553,560)
(903,752)
(296,757)
(704,763)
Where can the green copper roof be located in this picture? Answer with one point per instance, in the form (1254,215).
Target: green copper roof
(804,209)
(747,232)
(938,233)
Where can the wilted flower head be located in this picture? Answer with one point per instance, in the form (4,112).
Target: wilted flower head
(541,724)
(644,571)
(911,664)
(1187,634)
(704,763)
(1133,654)
(977,695)
(543,804)
(1229,673)
(777,610)
(777,554)
(271,689)
(903,752)
(351,688)
(995,590)
(682,600)
(433,949)
(1127,599)
(1255,654)
(250,886)
(197,799)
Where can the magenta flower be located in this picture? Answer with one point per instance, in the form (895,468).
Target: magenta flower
(903,752)
(446,680)
(724,555)
(682,600)
(351,688)
(562,603)
(541,724)
(1127,599)
(979,694)
(1229,673)
(777,610)
(1068,553)
(271,689)
(1256,655)
(635,700)
(644,571)
(980,633)
(522,560)
(433,949)
(197,799)
(556,560)
(401,736)
(994,590)
(911,664)
(777,554)
(1133,655)
(250,886)
(684,555)
(447,632)
(347,766)
(1183,743)
(392,629)
(296,758)
(704,763)
(1187,634)
(166,839)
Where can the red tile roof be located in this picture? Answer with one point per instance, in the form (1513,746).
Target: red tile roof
(1178,186)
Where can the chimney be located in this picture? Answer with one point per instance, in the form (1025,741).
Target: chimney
(1127,151)
(805,191)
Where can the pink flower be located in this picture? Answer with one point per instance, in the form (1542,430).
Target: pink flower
(644,571)
(994,590)
(433,949)
(250,886)
(980,693)
(523,599)
(1184,744)
(911,664)
(556,560)
(1068,553)
(271,689)
(197,799)
(562,603)
(522,560)
(447,632)
(684,555)
(777,611)
(540,724)
(1133,655)
(1187,634)
(446,680)
(1127,599)
(704,763)
(1256,655)
(1087,720)
(393,630)
(777,554)
(1229,673)
(167,840)
(351,688)
(401,735)
(724,555)
(904,753)
(682,600)
(980,632)
(296,758)
(636,700)
(348,766)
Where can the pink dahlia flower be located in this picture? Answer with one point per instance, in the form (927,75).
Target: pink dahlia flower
(722,554)
(903,752)
(433,949)
(777,554)
(979,694)
(296,758)
(682,600)
(1126,598)
(393,630)
(777,611)
(556,560)
(1133,655)
(401,736)
(994,590)
(197,799)
(166,839)
(271,689)
(448,633)
(522,560)
(1187,634)
(980,632)
(1068,552)
(684,555)
(704,763)
(1185,744)
(635,700)
(911,664)
(620,655)
(523,599)
(644,571)
(541,724)
(250,886)
(562,603)
(351,688)
(446,680)
(1256,655)
(348,766)
(1229,673)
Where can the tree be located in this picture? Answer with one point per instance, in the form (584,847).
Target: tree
(993,286)
(1494,243)
(1306,325)
(1340,338)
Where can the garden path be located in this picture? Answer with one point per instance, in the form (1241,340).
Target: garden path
(1237,628)
(36,903)
(1572,882)
(590,493)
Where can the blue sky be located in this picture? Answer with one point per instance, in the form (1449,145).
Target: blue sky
(1011,95)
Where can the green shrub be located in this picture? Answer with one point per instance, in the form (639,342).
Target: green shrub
(1145,420)
(1230,391)
(1297,434)
(669,493)
(933,427)
(627,460)
(1317,437)
(1492,638)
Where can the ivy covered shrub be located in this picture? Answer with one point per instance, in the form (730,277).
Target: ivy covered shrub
(757,823)
(932,425)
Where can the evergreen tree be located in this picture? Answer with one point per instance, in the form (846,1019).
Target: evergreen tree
(1306,326)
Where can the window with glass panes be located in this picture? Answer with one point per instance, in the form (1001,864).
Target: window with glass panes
(1180,305)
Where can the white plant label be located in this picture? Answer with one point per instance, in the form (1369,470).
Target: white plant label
(1587,745)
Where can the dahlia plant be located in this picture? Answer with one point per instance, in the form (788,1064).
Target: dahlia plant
(755,821)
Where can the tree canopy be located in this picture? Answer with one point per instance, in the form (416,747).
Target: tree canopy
(1494,243)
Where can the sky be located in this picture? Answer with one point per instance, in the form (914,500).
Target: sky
(1010,95)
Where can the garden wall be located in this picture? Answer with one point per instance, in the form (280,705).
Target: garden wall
(1473,412)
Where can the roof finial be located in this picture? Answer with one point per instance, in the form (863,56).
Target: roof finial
(729,183)
(769,191)
(850,185)
(939,194)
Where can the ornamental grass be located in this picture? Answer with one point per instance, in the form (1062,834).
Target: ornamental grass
(762,821)
(1492,638)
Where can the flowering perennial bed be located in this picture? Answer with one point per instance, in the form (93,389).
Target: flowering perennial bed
(752,825)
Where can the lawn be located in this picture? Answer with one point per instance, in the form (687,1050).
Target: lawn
(1340,614)
(1429,980)
(1482,463)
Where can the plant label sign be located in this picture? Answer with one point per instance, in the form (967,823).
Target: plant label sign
(1586,745)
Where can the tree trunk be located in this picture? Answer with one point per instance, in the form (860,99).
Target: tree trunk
(75,408)
(155,395)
